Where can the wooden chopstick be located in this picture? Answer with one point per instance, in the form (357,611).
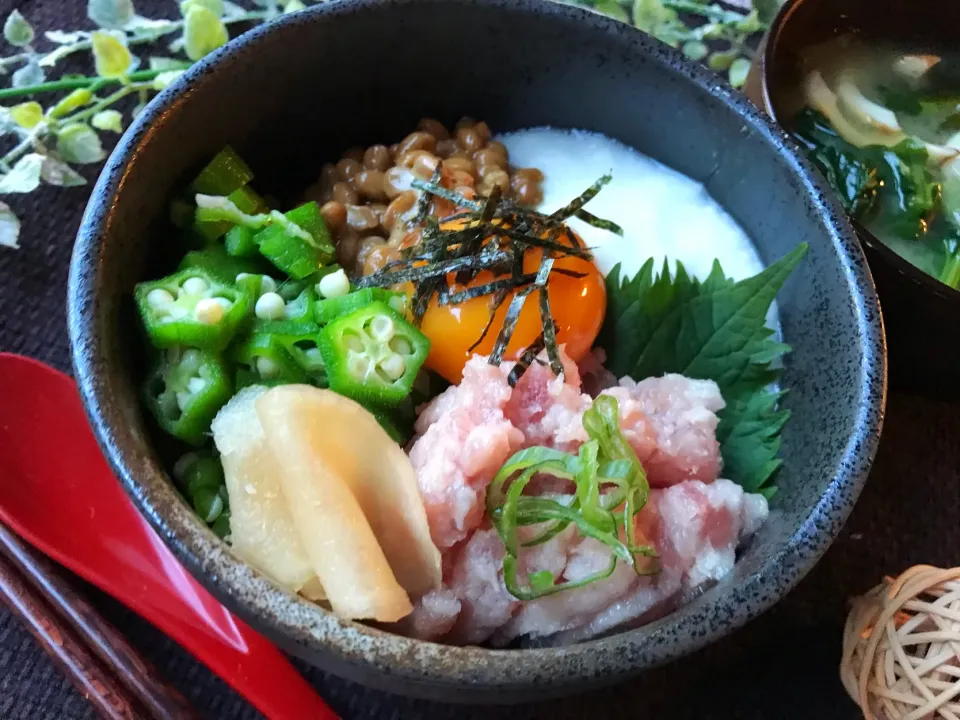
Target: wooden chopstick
(63,647)
(133,682)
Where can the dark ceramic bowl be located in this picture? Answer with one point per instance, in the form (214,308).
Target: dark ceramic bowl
(916,306)
(298,92)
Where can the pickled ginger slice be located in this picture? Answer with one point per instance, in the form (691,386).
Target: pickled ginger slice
(353,496)
(262,529)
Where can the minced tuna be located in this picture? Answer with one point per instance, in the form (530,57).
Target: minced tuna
(465,435)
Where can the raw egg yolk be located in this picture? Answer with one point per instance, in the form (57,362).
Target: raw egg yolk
(577,305)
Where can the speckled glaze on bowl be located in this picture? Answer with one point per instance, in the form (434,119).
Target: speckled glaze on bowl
(293,94)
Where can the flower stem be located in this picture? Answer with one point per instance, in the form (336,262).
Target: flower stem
(713,13)
(7,160)
(54,56)
(51,125)
(104,103)
(93,83)
(13,59)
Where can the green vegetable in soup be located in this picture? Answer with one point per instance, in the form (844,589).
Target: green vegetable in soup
(893,192)
(884,129)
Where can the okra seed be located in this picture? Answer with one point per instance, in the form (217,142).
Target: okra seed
(393,366)
(178,313)
(401,345)
(242,276)
(334,285)
(215,509)
(190,357)
(267,368)
(224,303)
(268,285)
(314,356)
(358,366)
(159,298)
(381,328)
(195,286)
(352,342)
(208,311)
(183,465)
(270,306)
(196,385)
(183,399)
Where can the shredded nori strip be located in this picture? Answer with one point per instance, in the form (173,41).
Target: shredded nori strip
(457,216)
(474,239)
(525,360)
(577,203)
(509,324)
(482,261)
(513,311)
(495,237)
(516,265)
(421,298)
(423,202)
(495,302)
(569,273)
(545,243)
(507,283)
(591,219)
(433,187)
(549,332)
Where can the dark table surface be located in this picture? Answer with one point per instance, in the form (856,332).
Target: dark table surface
(783,665)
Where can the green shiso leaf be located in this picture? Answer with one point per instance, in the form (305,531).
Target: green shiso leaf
(659,323)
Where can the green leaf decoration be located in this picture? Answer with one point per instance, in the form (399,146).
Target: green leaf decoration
(737,74)
(27,115)
(613,9)
(695,50)
(111,56)
(29,74)
(9,227)
(203,32)
(78,143)
(17,31)
(163,64)
(710,330)
(649,15)
(24,177)
(56,172)
(64,38)
(110,14)
(655,18)
(214,6)
(722,60)
(111,120)
(767,9)
(161,81)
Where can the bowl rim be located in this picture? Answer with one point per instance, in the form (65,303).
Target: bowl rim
(301,626)
(766,60)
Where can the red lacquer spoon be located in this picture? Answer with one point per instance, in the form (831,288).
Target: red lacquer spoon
(58,493)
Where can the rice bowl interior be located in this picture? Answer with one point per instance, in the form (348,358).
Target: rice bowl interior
(405,378)
(830,296)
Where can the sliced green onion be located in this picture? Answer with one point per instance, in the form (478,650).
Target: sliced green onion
(611,488)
